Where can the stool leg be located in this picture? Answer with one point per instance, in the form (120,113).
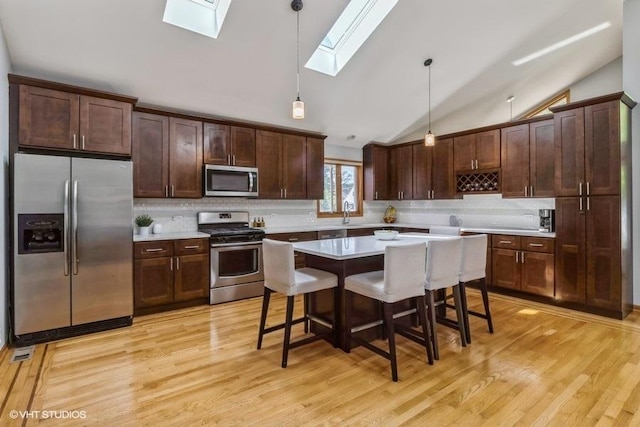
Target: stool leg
(485,301)
(348,304)
(306,311)
(459,315)
(388,319)
(287,330)
(263,316)
(432,324)
(465,311)
(421,307)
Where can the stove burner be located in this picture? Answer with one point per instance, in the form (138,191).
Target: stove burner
(228,227)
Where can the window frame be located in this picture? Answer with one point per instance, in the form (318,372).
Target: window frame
(359,174)
(550,102)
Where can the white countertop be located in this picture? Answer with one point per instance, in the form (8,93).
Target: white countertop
(359,247)
(488,230)
(170,236)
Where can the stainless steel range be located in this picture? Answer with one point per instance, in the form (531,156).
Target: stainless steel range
(236,255)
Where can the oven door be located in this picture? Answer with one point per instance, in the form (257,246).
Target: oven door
(236,263)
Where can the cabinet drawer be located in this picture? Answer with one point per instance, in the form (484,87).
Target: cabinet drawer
(294,237)
(191,246)
(505,241)
(163,248)
(537,244)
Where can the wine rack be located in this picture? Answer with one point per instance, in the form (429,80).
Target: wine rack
(479,182)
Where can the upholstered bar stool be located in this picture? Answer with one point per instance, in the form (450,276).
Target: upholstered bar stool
(443,268)
(444,229)
(402,278)
(281,276)
(473,267)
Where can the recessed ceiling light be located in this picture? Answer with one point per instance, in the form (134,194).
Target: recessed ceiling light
(351,137)
(562,43)
(511,98)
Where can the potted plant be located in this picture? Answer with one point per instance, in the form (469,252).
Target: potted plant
(144,223)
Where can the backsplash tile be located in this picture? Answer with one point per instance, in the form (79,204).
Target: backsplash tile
(490,210)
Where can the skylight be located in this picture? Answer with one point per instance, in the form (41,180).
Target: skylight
(562,43)
(352,28)
(200,16)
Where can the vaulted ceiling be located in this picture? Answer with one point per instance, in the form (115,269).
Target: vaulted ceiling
(248,72)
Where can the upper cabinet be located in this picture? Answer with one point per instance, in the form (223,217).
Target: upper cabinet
(375,160)
(229,145)
(315,168)
(401,163)
(167,156)
(477,151)
(433,170)
(51,118)
(527,160)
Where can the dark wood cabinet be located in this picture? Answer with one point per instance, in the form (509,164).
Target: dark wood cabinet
(442,170)
(477,151)
(401,166)
(541,159)
(167,156)
(515,161)
(569,152)
(303,236)
(169,273)
(422,158)
(315,168)
(57,119)
(571,249)
(523,263)
(375,162)
(229,145)
(284,161)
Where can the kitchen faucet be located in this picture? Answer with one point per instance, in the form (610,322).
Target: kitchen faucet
(345,213)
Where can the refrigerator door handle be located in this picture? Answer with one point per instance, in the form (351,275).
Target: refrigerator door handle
(74,220)
(66,228)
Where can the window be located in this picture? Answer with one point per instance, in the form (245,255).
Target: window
(342,188)
(543,108)
(200,16)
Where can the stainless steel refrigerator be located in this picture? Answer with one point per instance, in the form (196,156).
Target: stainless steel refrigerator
(72,261)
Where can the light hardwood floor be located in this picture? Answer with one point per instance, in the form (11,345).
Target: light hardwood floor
(542,366)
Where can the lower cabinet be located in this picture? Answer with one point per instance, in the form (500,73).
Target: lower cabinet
(170,274)
(523,263)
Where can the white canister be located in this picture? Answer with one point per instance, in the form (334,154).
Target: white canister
(157,228)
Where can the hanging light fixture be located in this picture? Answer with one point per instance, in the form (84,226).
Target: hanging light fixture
(510,102)
(429,138)
(298,105)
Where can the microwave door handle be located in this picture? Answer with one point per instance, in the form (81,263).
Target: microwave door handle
(66,242)
(250,181)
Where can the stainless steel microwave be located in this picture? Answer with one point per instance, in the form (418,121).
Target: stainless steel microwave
(230,181)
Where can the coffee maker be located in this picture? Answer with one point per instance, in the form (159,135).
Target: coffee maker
(547,220)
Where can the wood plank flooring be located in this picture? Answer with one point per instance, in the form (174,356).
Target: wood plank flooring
(542,366)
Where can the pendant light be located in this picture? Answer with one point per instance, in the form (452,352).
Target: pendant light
(510,102)
(298,105)
(429,138)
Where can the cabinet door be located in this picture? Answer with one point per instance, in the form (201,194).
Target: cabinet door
(541,161)
(604,287)
(422,165)
(402,172)
(442,174)
(153,282)
(294,166)
(505,269)
(515,161)
(217,144)
(185,158)
(537,273)
(315,168)
(375,162)
(269,161)
(463,152)
(487,149)
(48,118)
(570,250)
(191,277)
(243,146)
(105,125)
(569,151)
(150,155)
(602,148)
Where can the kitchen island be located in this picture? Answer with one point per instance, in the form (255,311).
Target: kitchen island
(347,256)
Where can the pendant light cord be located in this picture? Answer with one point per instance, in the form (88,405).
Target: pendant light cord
(298,52)
(429,98)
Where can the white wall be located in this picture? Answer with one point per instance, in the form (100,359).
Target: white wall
(603,81)
(332,151)
(5,68)
(631,85)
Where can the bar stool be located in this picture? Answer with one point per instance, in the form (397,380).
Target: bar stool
(443,268)
(281,276)
(473,267)
(403,278)
(444,229)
